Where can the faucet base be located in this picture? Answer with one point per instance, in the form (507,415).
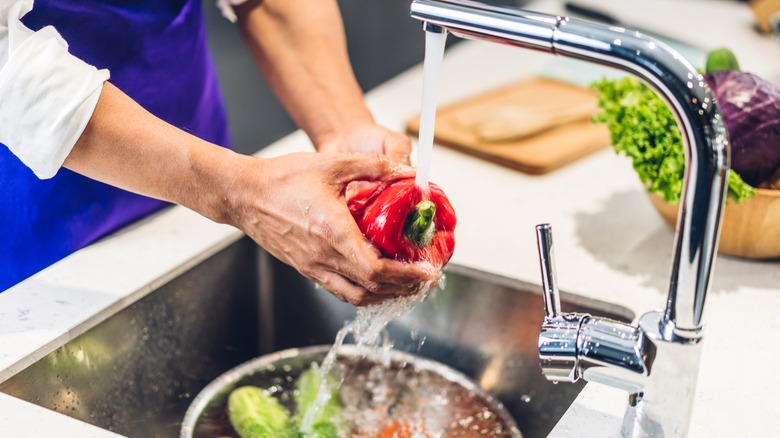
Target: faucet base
(663,407)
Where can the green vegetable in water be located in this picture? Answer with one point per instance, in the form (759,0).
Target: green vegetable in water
(643,128)
(721,59)
(255,414)
(327,422)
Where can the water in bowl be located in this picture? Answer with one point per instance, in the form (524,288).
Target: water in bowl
(414,398)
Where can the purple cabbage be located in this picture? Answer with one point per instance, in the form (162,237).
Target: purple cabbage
(751,109)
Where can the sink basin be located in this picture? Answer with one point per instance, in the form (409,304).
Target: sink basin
(137,372)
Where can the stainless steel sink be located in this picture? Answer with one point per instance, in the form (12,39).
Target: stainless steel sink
(136,372)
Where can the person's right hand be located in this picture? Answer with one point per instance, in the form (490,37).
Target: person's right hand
(369,138)
(294,207)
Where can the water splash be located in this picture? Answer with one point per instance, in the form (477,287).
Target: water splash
(371,341)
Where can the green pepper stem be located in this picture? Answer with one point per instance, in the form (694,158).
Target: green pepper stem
(420,227)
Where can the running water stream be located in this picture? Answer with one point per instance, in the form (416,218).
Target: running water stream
(368,327)
(434,53)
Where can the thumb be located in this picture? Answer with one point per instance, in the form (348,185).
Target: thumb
(370,167)
(397,147)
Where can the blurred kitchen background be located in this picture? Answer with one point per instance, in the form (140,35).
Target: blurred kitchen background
(383,41)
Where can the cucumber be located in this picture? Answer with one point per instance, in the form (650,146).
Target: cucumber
(721,59)
(327,422)
(255,414)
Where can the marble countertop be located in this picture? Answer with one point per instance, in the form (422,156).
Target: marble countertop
(610,243)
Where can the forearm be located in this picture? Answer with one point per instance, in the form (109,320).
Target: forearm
(126,146)
(300,47)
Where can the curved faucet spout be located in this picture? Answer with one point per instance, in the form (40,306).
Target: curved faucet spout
(677,82)
(706,151)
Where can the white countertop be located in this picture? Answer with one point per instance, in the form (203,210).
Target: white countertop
(610,243)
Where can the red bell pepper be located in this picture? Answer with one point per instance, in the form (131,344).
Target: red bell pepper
(407,222)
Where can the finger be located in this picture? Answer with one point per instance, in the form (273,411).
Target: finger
(363,263)
(373,270)
(383,277)
(397,147)
(391,290)
(348,291)
(360,186)
(369,167)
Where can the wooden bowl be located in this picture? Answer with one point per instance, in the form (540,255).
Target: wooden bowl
(749,230)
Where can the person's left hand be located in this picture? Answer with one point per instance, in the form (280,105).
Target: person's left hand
(371,139)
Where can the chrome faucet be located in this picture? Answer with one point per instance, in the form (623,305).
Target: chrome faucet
(657,361)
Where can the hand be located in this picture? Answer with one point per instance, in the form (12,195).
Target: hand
(294,207)
(372,139)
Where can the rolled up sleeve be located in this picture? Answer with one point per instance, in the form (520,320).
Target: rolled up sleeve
(47,95)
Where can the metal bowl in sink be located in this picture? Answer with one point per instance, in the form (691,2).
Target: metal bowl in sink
(427,395)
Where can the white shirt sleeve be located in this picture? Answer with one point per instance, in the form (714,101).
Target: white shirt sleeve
(47,95)
(226,6)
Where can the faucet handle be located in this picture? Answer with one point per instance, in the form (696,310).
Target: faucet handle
(552,300)
(558,349)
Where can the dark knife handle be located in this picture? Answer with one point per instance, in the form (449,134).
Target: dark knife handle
(588,13)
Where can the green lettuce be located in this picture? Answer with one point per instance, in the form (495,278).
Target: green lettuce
(327,422)
(644,129)
(256,414)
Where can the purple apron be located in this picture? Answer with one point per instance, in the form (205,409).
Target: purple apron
(157,54)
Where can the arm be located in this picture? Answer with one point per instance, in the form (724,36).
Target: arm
(300,47)
(55,108)
(292,205)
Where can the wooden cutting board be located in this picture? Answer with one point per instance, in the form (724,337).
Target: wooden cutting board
(536,125)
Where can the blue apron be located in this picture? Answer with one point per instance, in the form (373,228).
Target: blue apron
(157,54)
